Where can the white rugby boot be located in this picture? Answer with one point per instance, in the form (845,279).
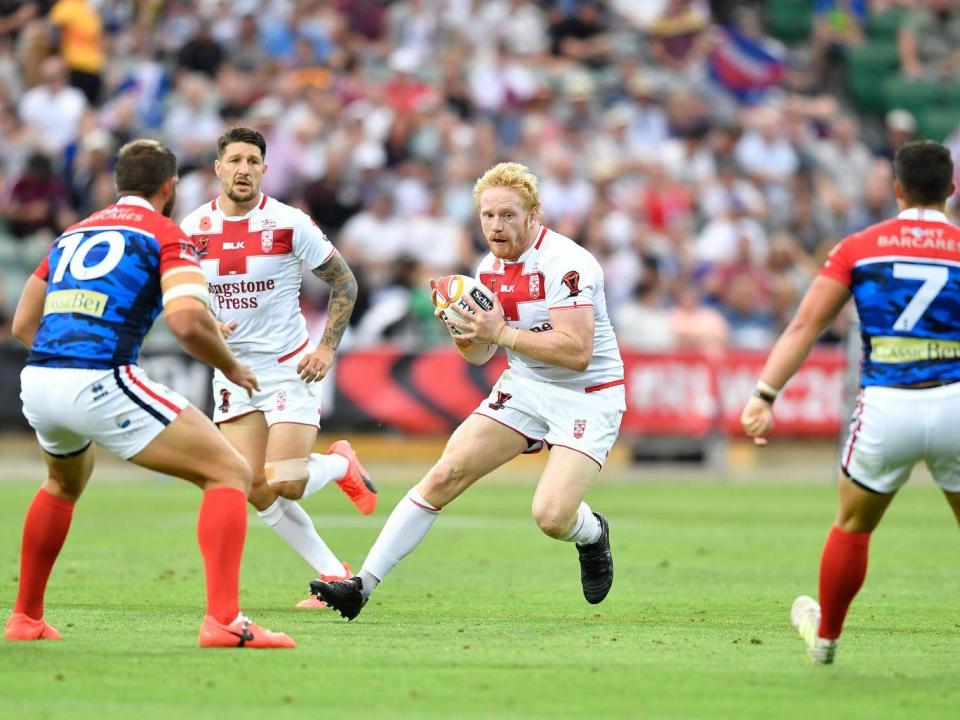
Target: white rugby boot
(805,616)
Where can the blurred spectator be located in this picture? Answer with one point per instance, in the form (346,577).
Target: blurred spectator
(193,125)
(899,127)
(837,26)
(929,39)
(697,326)
(678,38)
(580,36)
(37,201)
(79,34)
(201,53)
(751,319)
(53,109)
(843,162)
(643,323)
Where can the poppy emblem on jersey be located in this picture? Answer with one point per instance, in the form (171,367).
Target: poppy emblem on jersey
(535,286)
(205,224)
(266,240)
(281,401)
(224,400)
(579,426)
(502,397)
(572,281)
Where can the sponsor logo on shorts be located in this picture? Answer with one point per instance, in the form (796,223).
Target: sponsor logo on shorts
(82,302)
(502,397)
(98,390)
(224,400)
(281,401)
(572,281)
(579,426)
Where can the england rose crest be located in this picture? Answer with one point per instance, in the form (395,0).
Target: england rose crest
(266,241)
(579,426)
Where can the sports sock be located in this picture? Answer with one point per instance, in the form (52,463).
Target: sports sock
(586,528)
(291,522)
(321,469)
(843,567)
(406,527)
(44,532)
(221,531)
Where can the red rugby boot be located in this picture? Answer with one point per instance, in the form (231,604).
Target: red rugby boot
(22,627)
(243,633)
(356,483)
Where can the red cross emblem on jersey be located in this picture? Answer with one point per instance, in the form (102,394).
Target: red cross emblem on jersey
(513,286)
(237,242)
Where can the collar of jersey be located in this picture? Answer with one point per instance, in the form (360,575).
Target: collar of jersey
(923,215)
(217,206)
(135,200)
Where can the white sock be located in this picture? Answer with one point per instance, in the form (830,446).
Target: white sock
(321,469)
(291,522)
(406,527)
(586,528)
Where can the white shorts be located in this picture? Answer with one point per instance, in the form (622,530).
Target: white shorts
(892,429)
(283,397)
(121,409)
(548,414)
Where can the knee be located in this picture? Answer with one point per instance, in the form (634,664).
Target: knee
(443,482)
(551,519)
(232,470)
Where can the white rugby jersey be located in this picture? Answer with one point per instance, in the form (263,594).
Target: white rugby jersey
(252,266)
(555,273)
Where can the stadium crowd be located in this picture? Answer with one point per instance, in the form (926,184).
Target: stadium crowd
(709,166)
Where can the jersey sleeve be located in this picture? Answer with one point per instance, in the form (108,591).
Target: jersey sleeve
(43,269)
(572,281)
(177,250)
(839,263)
(310,244)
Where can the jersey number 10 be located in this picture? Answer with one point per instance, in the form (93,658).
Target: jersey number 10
(75,251)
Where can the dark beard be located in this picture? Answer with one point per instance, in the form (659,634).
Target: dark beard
(168,206)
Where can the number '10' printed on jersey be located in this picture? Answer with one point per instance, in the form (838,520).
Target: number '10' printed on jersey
(103,287)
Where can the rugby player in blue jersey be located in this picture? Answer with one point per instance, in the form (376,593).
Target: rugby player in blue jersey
(84,314)
(904,276)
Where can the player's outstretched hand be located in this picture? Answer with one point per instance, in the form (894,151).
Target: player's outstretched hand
(314,366)
(226,329)
(243,376)
(757,420)
(478,326)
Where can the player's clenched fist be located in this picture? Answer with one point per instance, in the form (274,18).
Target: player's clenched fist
(243,376)
(757,419)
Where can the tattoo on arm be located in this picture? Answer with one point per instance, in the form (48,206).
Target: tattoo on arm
(343,296)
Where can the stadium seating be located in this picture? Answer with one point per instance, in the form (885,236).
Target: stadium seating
(790,20)
(869,67)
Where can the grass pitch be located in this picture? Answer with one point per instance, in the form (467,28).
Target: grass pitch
(486,619)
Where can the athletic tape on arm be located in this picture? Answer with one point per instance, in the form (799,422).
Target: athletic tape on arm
(194,290)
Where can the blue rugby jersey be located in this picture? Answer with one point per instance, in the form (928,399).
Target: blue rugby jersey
(103,285)
(905,278)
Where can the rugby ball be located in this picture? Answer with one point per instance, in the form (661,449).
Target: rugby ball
(452,290)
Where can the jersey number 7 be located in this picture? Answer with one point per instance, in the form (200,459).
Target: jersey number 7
(934,277)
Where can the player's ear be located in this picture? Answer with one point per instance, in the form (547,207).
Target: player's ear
(216,167)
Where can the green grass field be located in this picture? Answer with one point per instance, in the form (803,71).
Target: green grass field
(486,618)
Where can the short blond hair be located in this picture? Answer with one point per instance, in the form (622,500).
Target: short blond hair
(511,175)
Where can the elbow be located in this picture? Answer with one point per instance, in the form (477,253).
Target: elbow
(581,361)
(185,325)
(23,337)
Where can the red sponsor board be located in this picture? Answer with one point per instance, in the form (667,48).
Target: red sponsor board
(694,395)
(668,394)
